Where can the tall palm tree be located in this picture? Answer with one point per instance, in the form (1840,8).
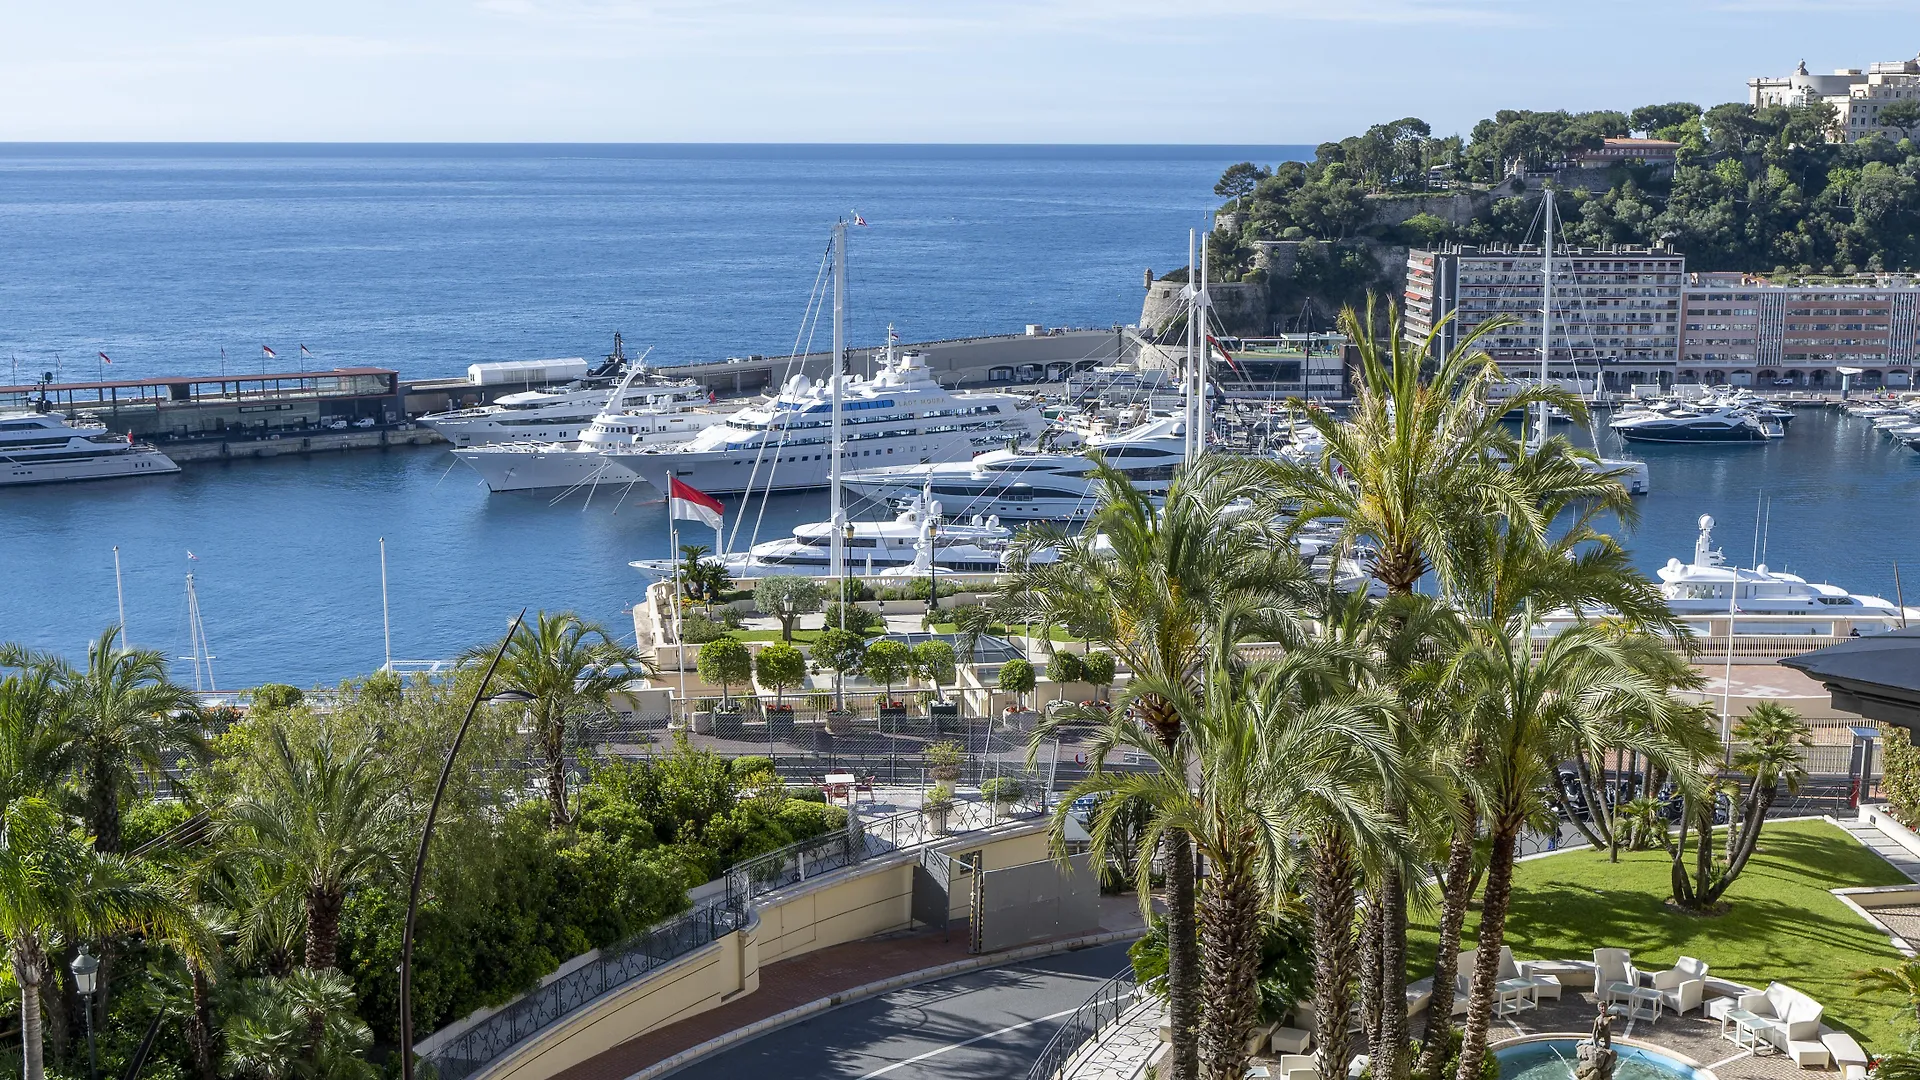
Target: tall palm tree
(329,817)
(1771,738)
(53,883)
(570,668)
(1590,688)
(1248,759)
(128,718)
(1150,592)
(35,747)
(1418,461)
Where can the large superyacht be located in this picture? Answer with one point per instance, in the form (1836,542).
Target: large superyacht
(42,447)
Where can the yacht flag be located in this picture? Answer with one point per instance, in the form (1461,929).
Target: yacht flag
(692,504)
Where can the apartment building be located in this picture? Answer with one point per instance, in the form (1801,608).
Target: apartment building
(1616,311)
(1857,94)
(1748,331)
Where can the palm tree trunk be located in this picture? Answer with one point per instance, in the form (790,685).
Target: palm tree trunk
(1446,957)
(556,748)
(28,963)
(323,926)
(1493,933)
(1333,948)
(1370,973)
(1749,840)
(1703,858)
(1183,959)
(1392,1062)
(1230,936)
(206,1065)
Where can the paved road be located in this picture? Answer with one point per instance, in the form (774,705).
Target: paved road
(984,1025)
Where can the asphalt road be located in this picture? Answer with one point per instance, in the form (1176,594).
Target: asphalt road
(984,1025)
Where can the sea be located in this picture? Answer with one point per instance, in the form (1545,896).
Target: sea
(188,259)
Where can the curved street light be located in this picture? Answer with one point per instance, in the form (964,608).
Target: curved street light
(426,838)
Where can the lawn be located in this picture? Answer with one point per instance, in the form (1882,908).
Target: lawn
(1783,923)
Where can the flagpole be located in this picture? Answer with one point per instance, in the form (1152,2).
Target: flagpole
(837,551)
(673,556)
(386,621)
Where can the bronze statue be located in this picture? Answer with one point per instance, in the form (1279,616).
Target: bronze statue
(1597,1055)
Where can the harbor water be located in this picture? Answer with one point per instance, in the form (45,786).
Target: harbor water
(429,259)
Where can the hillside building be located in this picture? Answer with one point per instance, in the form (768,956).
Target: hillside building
(1748,331)
(1856,94)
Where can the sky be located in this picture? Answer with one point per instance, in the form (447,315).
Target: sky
(1042,71)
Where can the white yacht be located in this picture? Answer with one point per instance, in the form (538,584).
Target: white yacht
(660,418)
(562,414)
(1035,484)
(914,543)
(1723,424)
(899,416)
(41,447)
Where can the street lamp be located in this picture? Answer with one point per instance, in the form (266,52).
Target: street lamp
(86,975)
(426,838)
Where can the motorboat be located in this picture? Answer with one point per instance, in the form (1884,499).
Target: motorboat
(900,415)
(659,418)
(1697,425)
(915,542)
(1039,484)
(562,414)
(39,447)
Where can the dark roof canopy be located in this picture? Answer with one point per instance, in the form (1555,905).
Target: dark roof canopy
(1877,676)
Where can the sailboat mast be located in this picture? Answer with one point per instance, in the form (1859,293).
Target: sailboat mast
(120,595)
(1193,269)
(386,616)
(836,545)
(1546,308)
(1202,308)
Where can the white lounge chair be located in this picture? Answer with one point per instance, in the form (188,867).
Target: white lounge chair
(1544,986)
(1683,986)
(1295,1067)
(1463,979)
(1610,968)
(1792,1017)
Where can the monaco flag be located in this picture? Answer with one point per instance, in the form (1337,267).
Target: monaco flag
(693,504)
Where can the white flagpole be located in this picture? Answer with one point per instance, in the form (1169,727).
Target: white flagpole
(120,595)
(836,545)
(386,620)
(673,556)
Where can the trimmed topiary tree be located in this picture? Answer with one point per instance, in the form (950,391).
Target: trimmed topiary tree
(933,661)
(1016,678)
(725,661)
(841,652)
(780,668)
(886,663)
(1064,668)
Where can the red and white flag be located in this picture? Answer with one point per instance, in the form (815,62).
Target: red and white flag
(858,220)
(1215,342)
(105,359)
(693,504)
(268,351)
(191,557)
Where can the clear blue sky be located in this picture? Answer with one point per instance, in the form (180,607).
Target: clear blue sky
(1225,71)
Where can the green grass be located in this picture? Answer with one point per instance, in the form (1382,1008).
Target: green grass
(1782,925)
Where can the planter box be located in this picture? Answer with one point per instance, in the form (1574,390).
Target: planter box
(703,722)
(944,716)
(729,724)
(780,721)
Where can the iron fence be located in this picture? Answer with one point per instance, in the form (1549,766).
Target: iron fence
(1113,1000)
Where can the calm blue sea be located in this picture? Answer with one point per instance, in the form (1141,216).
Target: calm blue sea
(430,258)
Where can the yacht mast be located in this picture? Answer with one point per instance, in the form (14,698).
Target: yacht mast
(837,553)
(1188,380)
(1546,313)
(1202,309)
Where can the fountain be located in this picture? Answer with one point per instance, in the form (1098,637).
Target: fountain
(1597,1056)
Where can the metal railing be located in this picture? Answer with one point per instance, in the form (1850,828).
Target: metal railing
(1113,1000)
(470,1051)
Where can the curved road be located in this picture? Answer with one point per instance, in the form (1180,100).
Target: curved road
(984,1025)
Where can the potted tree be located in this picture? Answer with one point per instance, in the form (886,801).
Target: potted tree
(1097,669)
(938,807)
(886,663)
(725,661)
(1065,669)
(946,761)
(1001,792)
(933,661)
(780,668)
(1016,678)
(841,652)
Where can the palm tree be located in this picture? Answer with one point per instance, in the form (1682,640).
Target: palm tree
(1902,978)
(1422,461)
(1771,738)
(128,718)
(54,883)
(35,750)
(300,1027)
(1150,594)
(568,668)
(1590,688)
(1245,764)
(329,817)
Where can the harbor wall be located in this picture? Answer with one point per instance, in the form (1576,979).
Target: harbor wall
(277,445)
(957,362)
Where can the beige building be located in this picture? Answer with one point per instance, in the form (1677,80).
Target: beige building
(1748,331)
(1615,310)
(1857,94)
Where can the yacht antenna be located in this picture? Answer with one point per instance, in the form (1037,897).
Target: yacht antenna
(837,552)
(120,595)
(386,619)
(1546,312)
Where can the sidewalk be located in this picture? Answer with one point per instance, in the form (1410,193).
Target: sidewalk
(809,977)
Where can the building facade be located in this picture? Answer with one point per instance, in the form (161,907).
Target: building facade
(1748,331)
(1856,94)
(1616,311)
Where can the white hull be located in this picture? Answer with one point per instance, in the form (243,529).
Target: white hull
(140,461)
(800,468)
(532,469)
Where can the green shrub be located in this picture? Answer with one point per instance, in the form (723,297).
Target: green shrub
(1003,790)
(806,795)
(750,765)
(273,695)
(1016,678)
(855,619)
(939,797)
(1097,668)
(1901,779)
(727,662)
(945,760)
(697,629)
(1065,667)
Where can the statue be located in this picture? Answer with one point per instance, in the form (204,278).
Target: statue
(1597,1055)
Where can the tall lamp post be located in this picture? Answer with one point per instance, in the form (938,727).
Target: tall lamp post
(426,838)
(86,975)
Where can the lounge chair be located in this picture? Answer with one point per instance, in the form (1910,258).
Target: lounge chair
(1295,1067)
(1683,986)
(1792,1018)
(1544,986)
(1611,967)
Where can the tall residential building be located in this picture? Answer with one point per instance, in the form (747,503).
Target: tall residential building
(1857,95)
(1746,330)
(1615,310)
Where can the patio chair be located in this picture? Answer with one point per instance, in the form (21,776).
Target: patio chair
(1544,986)
(1295,1067)
(1683,986)
(1463,979)
(1792,1017)
(1612,966)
